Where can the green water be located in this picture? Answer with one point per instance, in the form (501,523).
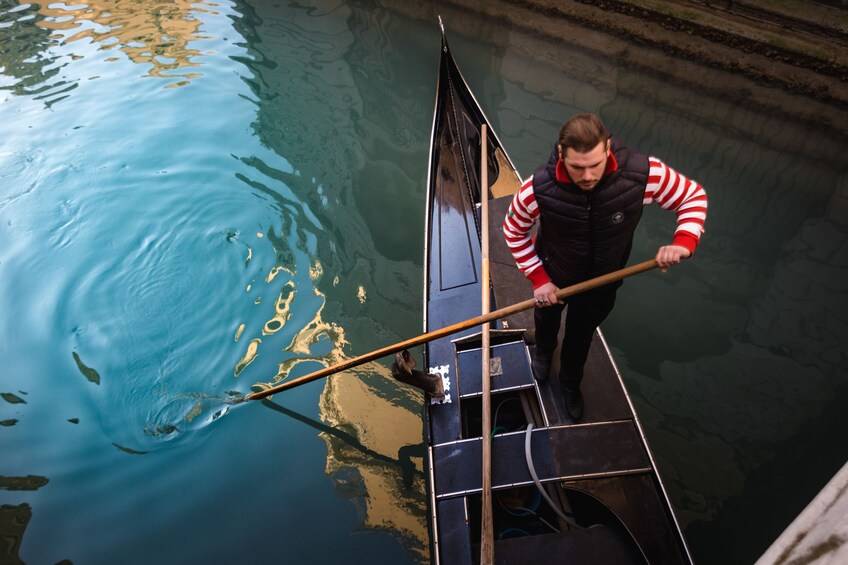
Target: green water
(196,198)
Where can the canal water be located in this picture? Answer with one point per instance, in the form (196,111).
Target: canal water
(200,199)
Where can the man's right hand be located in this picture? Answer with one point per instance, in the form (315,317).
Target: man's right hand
(545,295)
(669,255)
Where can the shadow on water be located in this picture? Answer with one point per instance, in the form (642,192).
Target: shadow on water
(403,463)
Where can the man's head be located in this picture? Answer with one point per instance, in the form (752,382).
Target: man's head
(583,146)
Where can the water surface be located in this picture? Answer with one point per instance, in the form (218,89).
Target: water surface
(198,199)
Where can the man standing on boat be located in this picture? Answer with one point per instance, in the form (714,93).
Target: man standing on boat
(588,199)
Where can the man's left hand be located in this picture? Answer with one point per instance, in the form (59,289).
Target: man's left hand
(669,255)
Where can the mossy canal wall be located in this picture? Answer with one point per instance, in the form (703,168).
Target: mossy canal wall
(786,58)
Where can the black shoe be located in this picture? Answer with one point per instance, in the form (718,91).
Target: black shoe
(573,400)
(541,367)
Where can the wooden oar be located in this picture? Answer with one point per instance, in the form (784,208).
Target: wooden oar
(455,328)
(487,533)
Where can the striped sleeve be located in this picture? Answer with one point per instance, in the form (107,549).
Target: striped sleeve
(673,191)
(518,222)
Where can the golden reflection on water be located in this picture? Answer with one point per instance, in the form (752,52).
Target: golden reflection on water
(282,309)
(249,356)
(306,337)
(382,426)
(154,33)
(391,497)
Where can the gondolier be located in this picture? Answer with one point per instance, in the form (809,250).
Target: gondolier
(588,199)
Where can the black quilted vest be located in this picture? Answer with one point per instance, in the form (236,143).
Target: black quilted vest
(587,234)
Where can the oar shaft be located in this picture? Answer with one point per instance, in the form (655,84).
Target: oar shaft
(487,539)
(455,328)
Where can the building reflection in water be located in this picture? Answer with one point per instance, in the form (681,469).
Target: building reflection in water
(321,75)
(375,453)
(158,34)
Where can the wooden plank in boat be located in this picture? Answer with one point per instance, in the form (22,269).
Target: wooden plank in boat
(512,370)
(636,501)
(507,183)
(510,287)
(454,544)
(604,397)
(560,452)
(508,283)
(599,544)
(499,252)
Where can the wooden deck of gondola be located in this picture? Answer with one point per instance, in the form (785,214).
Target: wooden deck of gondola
(602,456)
(601,450)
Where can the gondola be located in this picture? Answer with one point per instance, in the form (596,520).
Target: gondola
(607,501)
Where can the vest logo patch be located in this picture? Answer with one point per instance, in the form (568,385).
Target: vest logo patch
(618,217)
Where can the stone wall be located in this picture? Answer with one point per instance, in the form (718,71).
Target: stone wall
(788,58)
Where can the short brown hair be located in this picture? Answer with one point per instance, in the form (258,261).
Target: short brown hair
(582,133)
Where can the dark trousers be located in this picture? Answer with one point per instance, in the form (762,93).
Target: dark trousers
(585,313)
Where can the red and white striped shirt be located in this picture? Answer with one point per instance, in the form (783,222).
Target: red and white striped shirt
(666,187)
